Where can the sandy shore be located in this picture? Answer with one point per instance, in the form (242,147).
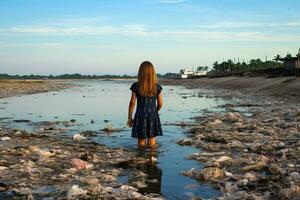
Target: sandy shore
(286,87)
(250,150)
(10,88)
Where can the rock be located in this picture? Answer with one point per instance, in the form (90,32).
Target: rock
(191,173)
(257,166)
(230,187)
(292,193)
(128,188)
(215,139)
(23,191)
(243,182)
(210,173)
(295,176)
(254,146)
(185,141)
(215,123)
(77,137)
(233,117)
(3,187)
(223,160)
(73,120)
(41,153)
(109,128)
(237,144)
(275,169)
(209,154)
(92,181)
(251,176)
(108,178)
(45,191)
(75,190)
(134,195)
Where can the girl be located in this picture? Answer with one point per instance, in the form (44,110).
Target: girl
(146,122)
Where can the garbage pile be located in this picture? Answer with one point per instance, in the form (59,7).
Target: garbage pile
(43,165)
(253,156)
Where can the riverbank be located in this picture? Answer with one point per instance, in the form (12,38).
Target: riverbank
(282,87)
(250,149)
(9,88)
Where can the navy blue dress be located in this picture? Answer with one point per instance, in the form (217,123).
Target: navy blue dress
(146,122)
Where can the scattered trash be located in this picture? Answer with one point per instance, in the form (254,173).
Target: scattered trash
(77,137)
(5,138)
(78,163)
(75,190)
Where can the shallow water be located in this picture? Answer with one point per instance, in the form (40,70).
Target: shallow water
(99,101)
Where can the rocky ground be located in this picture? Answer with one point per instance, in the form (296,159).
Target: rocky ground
(286,87)
(10,88)
(251,150)
(48,165)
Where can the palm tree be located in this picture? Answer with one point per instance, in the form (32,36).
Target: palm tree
(288,56)
(277,57)
(200,68)
(216,66)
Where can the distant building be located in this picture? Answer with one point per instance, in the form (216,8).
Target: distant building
(292,64)
(187,73)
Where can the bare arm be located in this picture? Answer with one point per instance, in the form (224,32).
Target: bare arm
(159,101)
(131,108)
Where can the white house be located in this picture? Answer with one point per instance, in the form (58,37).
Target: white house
(187,73)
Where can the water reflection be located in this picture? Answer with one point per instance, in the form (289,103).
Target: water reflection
(153,178)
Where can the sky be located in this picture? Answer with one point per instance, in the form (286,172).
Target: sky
(115,36)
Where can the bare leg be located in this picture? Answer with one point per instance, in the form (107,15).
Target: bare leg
(151,142)
(142,142)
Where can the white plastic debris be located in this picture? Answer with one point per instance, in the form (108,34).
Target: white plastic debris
(75,190)
(77,137)
(5,138)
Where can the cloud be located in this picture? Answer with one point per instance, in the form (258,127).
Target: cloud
(221,31)
(53,45)
(229,24)
(172,1)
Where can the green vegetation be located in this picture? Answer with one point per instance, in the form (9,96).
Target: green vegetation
(77,76)
(64,76)
(255,65)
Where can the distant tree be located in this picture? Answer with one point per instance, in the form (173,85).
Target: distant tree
(199,68)
(277,57)
(288,56)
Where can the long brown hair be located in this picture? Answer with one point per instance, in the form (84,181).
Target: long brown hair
(147,79)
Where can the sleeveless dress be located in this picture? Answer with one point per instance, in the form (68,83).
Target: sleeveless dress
(146,122)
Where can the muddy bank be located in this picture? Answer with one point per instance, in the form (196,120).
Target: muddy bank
(46,164)
(286,87)
(250,150)
(10,88)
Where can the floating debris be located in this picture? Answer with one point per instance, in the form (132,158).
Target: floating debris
(77,137)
